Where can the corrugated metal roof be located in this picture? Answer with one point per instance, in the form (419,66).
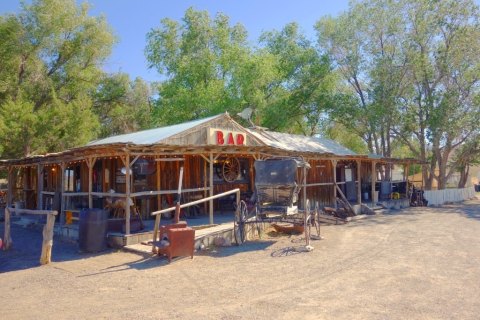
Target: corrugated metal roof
(293,142)
(151,136)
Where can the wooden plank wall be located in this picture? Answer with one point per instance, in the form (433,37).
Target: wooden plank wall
(366,172)
(321,172)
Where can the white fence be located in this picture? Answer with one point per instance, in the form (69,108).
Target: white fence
(439,197)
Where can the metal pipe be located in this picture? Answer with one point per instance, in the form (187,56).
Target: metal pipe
(189,204)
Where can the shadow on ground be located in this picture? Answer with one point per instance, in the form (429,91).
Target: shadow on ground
(27,243)
(27,246)
(468,209)
(220,252)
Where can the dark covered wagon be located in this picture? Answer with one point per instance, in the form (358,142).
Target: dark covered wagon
(277,185)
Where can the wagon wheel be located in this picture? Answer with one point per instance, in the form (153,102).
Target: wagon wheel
(239,223)
(307,223)
(230,169)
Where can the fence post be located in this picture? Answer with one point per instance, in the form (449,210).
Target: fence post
(47,243)
(7,241)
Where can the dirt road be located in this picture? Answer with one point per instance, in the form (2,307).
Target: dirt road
(419,263)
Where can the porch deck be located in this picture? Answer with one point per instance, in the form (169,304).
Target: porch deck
(203,236)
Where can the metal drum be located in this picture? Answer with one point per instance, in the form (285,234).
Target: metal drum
(92,231)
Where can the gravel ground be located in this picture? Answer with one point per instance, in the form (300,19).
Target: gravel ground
(418,263)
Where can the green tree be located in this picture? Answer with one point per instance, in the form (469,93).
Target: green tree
(414,67)
(122,105)
(365,44)
(199,59)
(442,109)
(303,89)
(466,156)
(337,132)
(51,52)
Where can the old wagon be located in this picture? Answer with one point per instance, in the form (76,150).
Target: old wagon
(278,182)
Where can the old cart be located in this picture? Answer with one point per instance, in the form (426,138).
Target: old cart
(277,184)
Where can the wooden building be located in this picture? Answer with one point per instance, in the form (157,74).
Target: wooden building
(217,155)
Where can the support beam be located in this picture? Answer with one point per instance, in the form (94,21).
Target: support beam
(342,196)
(26,185)
(304,188)
(359,179)
(62,191)
(127,192)
(334,166)
(40,186)
(406,170)
(10,187)
(159,197)
(210,203)
(90,165)
(205,193)
(374,180)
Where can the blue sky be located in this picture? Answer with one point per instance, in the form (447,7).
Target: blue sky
(132,19)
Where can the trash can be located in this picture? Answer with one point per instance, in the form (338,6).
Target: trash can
(92,230)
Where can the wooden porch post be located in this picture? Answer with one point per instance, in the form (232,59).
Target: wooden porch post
(127,192)
(10,187)
(90,164)
(304,188)
(26,185)
(359,179)
(159,186)
(159,205)
(405,174)
(374,180)
(334,165)
(40,186)
(210,203)
(62,191)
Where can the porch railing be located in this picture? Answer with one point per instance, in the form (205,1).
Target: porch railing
(158,213)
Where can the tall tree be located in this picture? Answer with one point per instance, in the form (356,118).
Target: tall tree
(466,156)
(365,45)
(122,105)
(414,65)
(303,89)
(51,54)
(199,59)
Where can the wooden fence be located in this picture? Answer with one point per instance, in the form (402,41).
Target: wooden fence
(47,243)
(439,197)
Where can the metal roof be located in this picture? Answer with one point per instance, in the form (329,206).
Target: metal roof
(283,141)
(294,142)
(151,136)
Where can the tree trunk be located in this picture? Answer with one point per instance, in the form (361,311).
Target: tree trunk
(464,172)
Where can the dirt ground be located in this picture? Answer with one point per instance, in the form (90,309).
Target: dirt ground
(418,263)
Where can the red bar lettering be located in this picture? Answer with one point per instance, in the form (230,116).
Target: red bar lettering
(230,139)
(220,139)
(240,139)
